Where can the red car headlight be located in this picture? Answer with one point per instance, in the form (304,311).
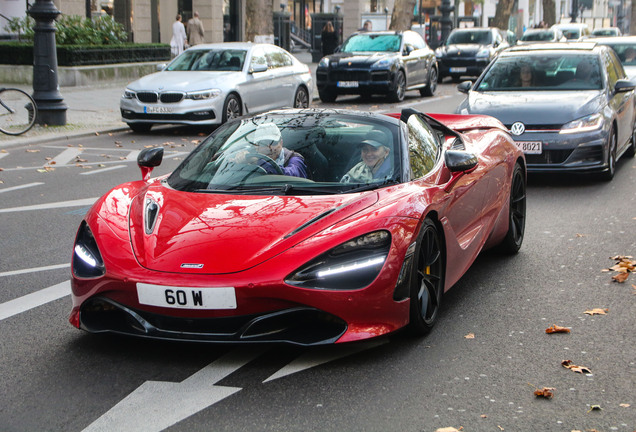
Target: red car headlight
(87,261)
(349,266)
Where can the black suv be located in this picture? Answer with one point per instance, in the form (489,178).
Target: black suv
(385,62)
(467,51)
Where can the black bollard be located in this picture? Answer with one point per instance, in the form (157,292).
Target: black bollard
(46,91)
(447,24)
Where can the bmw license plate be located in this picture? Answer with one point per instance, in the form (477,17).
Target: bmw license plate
(347,84)
(530,147)
(457,69)
(186,297)
(157,110)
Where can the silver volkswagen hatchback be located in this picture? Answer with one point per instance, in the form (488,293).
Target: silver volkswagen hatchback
(212,83)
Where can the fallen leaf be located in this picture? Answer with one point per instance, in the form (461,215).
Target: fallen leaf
(500,428)
(33,151)
(545,392)
(597,311)
(580,235)
(52,162)
(557,329)
(595,408)
(101,165)
(578,369)
(448,429)
(624,405)
(48,158)
(484,416)
(97,133)
(149,146)
(4,151)
(620,278)
(470,336)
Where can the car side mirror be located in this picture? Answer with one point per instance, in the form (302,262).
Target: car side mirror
(408,50)
(464,86)
(624,85)
(161,67)
(258,68)
(148,159)
(459,160)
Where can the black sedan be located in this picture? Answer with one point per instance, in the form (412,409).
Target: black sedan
(569,106)
(387,63)
(467,51)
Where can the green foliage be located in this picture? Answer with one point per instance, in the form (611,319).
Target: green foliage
(73,29)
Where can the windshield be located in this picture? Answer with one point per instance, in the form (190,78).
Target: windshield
(373,42)
(299,153)
(557,71)
(545,35)
(464,37)
(209,60)
(626,52)
(571,33)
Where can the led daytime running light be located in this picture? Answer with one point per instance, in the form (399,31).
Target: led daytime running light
(351,267)
(85,255)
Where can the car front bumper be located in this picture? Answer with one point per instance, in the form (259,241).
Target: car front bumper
(355,81)
(461,66)
(186,111)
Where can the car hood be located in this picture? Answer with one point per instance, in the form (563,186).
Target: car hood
(463,50)
(359,58)
(217,233)
(184,80)
(533,107)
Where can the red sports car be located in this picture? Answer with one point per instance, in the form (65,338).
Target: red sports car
(300,226)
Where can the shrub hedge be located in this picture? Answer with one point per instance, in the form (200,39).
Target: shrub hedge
(19,53)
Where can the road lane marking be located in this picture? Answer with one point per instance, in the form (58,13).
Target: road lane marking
(3,155)
(60,204)
(103,170)
(24,186)
(155,405)
(321,355)
(34,269)
(33,300)
(65,157)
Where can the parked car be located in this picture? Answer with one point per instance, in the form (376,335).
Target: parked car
(467,51)
(573,31)
(576,113)
(386,62)
(625,48)
(606,31)
(542,35)
(210,84)
(228,248)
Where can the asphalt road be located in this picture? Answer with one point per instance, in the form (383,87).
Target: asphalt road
(57,378)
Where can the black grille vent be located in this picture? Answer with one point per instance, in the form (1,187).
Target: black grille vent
(171,97)
(147,97)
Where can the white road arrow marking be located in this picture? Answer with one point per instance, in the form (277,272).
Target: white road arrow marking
(65,157)
(326,354)
(34,269)
(33,300)
(60,204)
(155,405)
(24,186)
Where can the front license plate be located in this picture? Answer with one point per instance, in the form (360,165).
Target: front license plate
(348,84)
(185,297)
(157,110)
(530,147)
(457,69)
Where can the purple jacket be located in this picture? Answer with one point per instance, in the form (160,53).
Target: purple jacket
(293,164)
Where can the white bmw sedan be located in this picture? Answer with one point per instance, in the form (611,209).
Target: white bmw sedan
(213,83)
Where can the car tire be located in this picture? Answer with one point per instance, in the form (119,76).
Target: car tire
(327,96)
(231,108)
(427,279)
(397,95)
(608,175)
(631,150)
(430,88)
(301,99)
(140,127)
(516,213)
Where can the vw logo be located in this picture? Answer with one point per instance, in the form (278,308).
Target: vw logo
(517,128)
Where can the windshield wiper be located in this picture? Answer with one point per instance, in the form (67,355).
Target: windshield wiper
(372,186)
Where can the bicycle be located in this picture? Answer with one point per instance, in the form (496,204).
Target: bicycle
(18,111)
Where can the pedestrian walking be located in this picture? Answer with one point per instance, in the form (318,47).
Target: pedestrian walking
(178,41)
(195,30)
(329,39)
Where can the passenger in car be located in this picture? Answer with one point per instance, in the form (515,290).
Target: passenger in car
(375,163)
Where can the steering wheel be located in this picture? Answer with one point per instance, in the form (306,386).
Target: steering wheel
(267,159)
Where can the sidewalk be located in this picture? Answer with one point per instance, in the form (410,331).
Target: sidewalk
(93,109)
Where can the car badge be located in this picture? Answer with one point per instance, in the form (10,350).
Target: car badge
(349,64)
(517,128)
(191,266)
(161,87)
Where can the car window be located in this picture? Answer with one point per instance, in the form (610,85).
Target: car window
(626,52)
(373,42)
(544,35)
(209,60)
(258,57)
(613,67)
(550,71)
(424,147)
(277,58)
(339,152)
(414,40)
(479,37)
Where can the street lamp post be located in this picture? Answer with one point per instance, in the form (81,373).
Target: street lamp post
(446,8)
(46,91)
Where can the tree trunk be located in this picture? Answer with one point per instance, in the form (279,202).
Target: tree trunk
(549,12)
(632,25)
(503,13)
(258,18)
(402,16)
